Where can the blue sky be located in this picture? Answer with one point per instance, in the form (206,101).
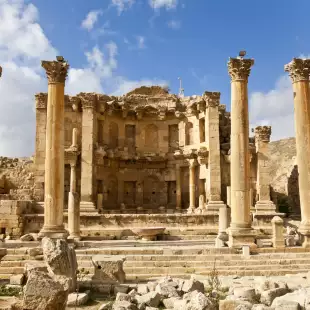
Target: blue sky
(134,42)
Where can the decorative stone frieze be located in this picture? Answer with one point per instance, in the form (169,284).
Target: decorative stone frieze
(212,99)
(56,71)
(263,133)
(239,69)
(298,69)
(41,100)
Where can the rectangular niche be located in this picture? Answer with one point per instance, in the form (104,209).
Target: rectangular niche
(130,138)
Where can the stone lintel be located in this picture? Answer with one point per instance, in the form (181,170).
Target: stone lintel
(298,69)
(262,134)
(239,68)
(56,71)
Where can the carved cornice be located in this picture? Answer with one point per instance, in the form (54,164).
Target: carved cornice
(88,100)
(56,71)
(298,69)
(41,100)
(263,133)
(212,99)
(239,69)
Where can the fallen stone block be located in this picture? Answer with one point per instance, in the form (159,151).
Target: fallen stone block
(41,292)
(267,297)
(105,306)
(151,299)
(17,279)
(170,302)
(193,285)
(245,293)
(301,297)
(165,290)
(122,297)
(261,307)
(109,268)
(78,299)
(142,289)
(124,305)
(35,251)
(34,266)
(200,301)
(27,237)
(233,304)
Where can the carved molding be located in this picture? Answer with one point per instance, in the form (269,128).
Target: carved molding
(239,69)
(212,99)
(88,100)
(298,69)
(41,100)
(263,133)
(56,71)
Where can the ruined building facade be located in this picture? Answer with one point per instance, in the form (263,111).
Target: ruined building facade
(145,152)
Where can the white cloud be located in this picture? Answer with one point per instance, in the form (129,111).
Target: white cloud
(274,108)
(23,45)
(122,5)
(141,42)
(174,24)
(168,4)
(90,19)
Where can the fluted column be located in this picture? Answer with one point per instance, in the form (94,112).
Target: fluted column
(212,100)
(73,201)
(299,70)
(53,227)
(240,232)
(262,138)
(192,185)
(178,187)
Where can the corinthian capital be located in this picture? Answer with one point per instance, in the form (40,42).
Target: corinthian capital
(56,71)
(298,69)
(263,133)
(88,100)
(239,69)
(212,99)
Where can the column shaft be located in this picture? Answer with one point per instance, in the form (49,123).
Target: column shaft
(54,156)
(192,186)
(178,187)
(299,70)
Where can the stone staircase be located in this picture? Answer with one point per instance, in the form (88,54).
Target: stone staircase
(145,262)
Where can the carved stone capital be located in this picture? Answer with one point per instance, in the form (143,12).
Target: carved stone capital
(139,114)
(298,69)
(88,100)
(239,69)
(212,99)
(178,114)
(75,103)
(56,71)
(41,100)
(263,133)
(192,162)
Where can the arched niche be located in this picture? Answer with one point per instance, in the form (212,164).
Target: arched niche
(151,191)
(151,136)
(189,133)
(113,135)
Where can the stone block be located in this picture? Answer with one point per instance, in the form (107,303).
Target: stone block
(17,279)
(233,304)
(78,299)
(151,299)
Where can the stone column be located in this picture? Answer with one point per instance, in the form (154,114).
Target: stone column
(178,187)
(53,227)
(277,232)
(192,185)
(212,132)
(89,121)
(240,231)
(299,70)
(262,138)
(73,201)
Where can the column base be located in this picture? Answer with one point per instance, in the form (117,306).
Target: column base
(88,207)
(263,206)
(238,237)
(75,237)
(53,232)
(191,210)
(214,205)
(304,229)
